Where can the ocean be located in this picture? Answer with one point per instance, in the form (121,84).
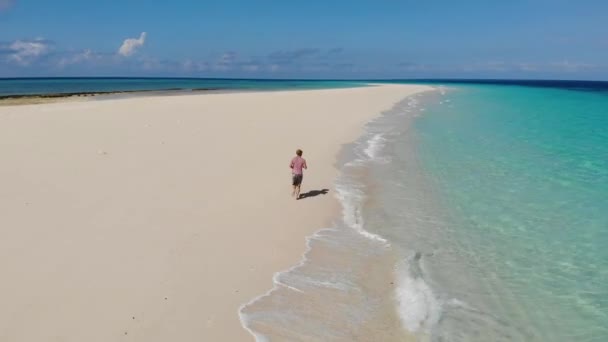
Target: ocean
(22,87)
(477,212)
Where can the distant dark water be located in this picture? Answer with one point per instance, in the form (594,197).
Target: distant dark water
(598,86)
(16,87)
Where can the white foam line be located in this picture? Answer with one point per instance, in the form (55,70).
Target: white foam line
(374,145)
(329,284)
(276,283)
(351,212)
(373,236)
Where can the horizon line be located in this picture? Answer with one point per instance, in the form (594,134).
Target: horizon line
(446,79)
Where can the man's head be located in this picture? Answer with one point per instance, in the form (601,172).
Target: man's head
(299,152)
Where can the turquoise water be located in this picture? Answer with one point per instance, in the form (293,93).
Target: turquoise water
(37,86)
(522,173)
(475,212)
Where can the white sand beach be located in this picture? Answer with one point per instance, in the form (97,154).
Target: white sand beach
(156,218)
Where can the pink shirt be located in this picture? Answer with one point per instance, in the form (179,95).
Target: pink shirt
(297,163)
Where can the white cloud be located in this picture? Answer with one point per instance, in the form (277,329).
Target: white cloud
(24,51)
(130,45)
(527,67)
(227,58)
(251,67)
(568,66)
(190,65)
(80,57)
(226,61)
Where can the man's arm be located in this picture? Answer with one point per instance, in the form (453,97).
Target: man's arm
(305,166)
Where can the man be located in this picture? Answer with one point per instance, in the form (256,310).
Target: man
(297,164)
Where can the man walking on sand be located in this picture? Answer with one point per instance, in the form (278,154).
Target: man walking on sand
(297,164)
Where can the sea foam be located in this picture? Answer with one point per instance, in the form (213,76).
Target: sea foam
(418,307)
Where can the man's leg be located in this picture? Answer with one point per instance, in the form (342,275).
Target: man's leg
(293,192)
(298,191)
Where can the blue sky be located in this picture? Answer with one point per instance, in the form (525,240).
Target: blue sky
(306,39)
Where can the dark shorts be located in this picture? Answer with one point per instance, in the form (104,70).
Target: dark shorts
(297,180)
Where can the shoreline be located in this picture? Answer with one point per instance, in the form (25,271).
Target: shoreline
(27,99)
(160,183)
(9,100)
(93,93)
(304,295)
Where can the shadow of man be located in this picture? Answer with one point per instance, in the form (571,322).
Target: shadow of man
(313,193)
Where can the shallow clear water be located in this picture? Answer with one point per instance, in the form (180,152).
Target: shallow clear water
(523,173)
